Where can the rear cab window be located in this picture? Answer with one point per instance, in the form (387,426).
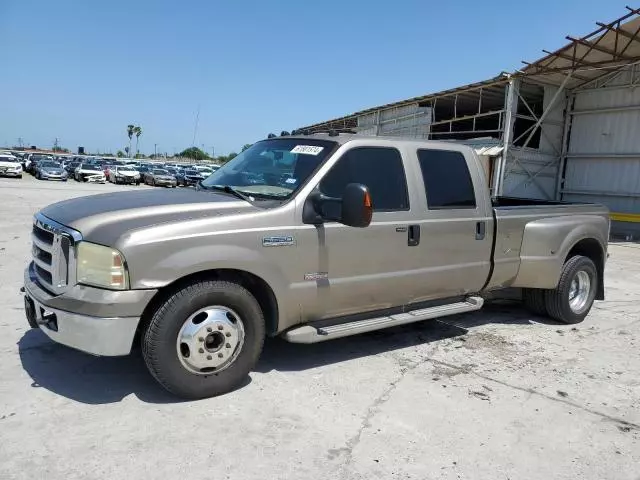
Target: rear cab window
(447,180)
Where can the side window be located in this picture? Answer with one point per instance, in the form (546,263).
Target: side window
(446,179)
(378,168)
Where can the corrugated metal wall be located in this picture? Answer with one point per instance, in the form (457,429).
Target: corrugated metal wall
(603,154)
(530,174)
(407,120)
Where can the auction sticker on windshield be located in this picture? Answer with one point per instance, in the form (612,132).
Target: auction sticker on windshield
(307,149)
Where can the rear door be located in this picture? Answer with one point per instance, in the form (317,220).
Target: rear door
(457,223)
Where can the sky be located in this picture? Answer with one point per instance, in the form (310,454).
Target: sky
(81,71)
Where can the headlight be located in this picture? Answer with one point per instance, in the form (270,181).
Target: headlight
(101,266)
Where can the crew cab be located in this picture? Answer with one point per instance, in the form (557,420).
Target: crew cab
(307,237)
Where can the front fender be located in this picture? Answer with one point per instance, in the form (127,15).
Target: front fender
(547,242)
(158,266)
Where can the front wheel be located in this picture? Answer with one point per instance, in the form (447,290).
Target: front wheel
(572,299)
(204,339)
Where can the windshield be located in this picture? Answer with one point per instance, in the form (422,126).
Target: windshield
(273,168)
(9,159)
(49,165)
(191,172)
(125,169)
(93,168)
(159,171)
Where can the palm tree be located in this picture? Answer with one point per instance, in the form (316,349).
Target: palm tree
(138,132)
(130,132)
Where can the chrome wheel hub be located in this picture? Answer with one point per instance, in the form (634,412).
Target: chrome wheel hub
(579,292)
(210,340)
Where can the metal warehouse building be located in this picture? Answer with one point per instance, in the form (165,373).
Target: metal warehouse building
(565,127)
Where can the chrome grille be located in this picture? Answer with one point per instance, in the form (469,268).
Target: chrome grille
(53,254)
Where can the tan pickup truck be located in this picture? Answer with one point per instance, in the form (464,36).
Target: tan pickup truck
(309,237)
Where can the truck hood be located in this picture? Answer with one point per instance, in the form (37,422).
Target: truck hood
(107,217)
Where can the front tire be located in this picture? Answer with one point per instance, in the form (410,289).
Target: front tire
(204,339)
(571,301)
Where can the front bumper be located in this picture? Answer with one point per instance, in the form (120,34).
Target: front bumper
(45,176)
(92,177)
(165,183)
(10,173)
(96,321)
(127,180)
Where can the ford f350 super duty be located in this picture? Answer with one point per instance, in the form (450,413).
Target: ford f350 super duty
(309,237)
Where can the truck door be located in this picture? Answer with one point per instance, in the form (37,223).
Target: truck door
(456,225)
(354,270)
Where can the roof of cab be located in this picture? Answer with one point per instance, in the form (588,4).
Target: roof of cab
(343,138)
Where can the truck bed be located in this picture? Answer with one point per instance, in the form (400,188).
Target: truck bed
(529,236)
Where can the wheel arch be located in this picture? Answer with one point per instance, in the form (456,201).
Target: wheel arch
(256,285)
(592,249)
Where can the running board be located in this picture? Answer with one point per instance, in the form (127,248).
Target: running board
(310,334)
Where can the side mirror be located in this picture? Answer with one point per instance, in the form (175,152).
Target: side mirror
(356,208)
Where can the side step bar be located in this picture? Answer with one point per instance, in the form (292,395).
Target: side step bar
(310,334)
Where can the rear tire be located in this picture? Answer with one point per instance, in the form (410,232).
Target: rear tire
(174,367)
(571,301)
(533,299)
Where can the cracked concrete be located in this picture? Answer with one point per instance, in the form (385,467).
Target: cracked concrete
(494,394)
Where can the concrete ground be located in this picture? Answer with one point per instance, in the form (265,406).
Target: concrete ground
(498,394)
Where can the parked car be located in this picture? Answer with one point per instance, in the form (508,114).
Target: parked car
(189,177)
(106,169)
(89,172)
(202,277)
(10,166)
(143,171)
(161,178)
(32,161)
(71,167)
(124,174)
(205,171)
(50,170)
(173,171)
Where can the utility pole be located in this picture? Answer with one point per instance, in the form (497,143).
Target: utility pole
(20,143)
(213,151)
(155,150)
(55,144)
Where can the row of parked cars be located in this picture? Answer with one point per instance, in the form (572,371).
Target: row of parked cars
(101,170)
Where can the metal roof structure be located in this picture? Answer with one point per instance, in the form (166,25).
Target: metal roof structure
(607,49)
(349,121)
(610,47)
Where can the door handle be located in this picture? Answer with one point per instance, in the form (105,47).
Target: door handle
(414,235)
(481,228)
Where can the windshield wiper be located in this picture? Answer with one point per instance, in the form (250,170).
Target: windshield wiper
(229,189)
